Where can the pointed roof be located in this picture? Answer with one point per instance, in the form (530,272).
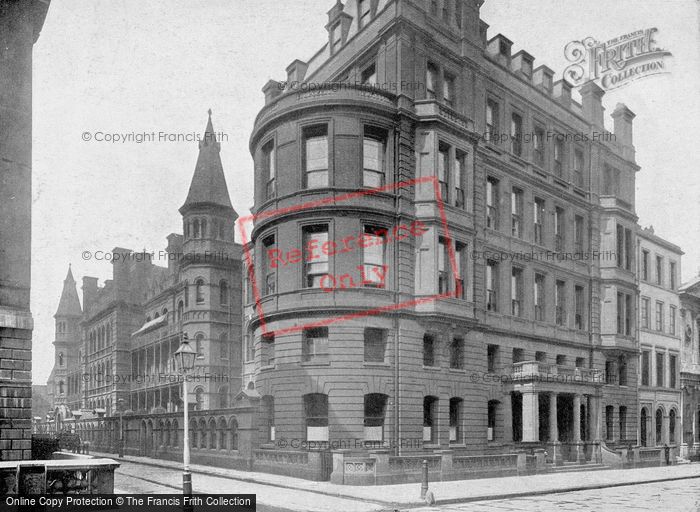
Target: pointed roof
(69,305)
(208,187)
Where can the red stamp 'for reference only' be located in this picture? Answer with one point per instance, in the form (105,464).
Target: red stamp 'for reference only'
(318,249)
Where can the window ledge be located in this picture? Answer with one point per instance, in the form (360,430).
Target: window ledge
(457,370)
(380,364)
(315,363)
(458,444)
(431,368)
(432,446)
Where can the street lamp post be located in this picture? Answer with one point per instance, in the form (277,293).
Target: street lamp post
(184,359)
(120,404)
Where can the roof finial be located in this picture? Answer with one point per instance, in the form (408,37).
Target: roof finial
(209,112)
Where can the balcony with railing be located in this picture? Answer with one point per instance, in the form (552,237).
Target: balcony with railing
(545,372)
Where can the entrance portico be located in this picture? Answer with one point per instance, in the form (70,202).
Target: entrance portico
(558,407)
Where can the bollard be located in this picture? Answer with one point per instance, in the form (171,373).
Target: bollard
(424,480)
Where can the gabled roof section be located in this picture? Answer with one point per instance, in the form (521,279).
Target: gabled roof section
(69,305)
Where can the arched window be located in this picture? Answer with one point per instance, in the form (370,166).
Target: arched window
(223,397)
(199,291)
(659,425)
(199,345)
(180,311)
(199,399)
(109,334)
(195,228)
(223,293)
(223,346)
(222,434)
(187,294)
(60,359)
(672,426)
(202,433)
(233,434)
(174,437)
(212,434)
(186,229)
(221,229)
(204,228)
(60,388)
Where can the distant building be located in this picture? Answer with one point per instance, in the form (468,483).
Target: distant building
(41,403)
(660,331)
(689,330)
(20,25)
(116,355)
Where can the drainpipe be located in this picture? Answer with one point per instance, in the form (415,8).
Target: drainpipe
(397,356)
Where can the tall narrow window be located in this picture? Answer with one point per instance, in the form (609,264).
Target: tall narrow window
(316,261)
(559,228)
(659,425)
(336,38)
(538,214)
(611,181)
(364,10)
(516,285)
(267,350)
(516,134)
(492,121)
(375,345)
(457,354)
(659,316)
(492,285)
(538,146)
(199,291)
(558,157)
(492,203)
(199,345)
(672,321)
(269,168)
(609,422)
(268,403)
(660,370)
(645,312)
(460,260)
(629,251)
(578,234)
(455,420)
(560,303)
(375,411)
(672,275)
(491,414)
(443,274)
(672,426)
(491,358)
(516,210)
(539,297)
(316,157)
(374,269)
(622,370)
(430,407)
(646,364)
(460,177)
(578,168)
(645,265)
(659,270)
(315,345)
(223,293)
(444,171)
(428,350)
(223,346)
(579,320)
(620,313)
(448,89)
(269,272)
(623,422)
(374,157)
(316,417)
(431,80)
(672,362)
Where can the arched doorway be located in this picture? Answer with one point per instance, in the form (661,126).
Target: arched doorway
(643,422)
(659,426)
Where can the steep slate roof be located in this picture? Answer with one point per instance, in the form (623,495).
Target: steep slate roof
(69,305)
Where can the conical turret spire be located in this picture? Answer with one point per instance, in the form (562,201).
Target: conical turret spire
(208,187)
(69,305)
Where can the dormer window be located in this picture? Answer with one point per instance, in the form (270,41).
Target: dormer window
(369,75)
(336,38)
(547,82)
(527,68)
(364,10)
(503,48)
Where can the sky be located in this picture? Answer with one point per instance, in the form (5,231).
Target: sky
(131,67)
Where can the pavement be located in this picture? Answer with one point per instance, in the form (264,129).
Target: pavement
(407,495)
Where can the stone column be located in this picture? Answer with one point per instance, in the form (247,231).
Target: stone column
(507,419)
(554,430)
(580,456)
(531,416)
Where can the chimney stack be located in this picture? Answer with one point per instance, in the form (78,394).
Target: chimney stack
(623,117)
(592,99)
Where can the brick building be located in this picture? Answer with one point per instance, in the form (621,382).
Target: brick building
(515,351)
(20,24)
(116,355)
(689,328)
